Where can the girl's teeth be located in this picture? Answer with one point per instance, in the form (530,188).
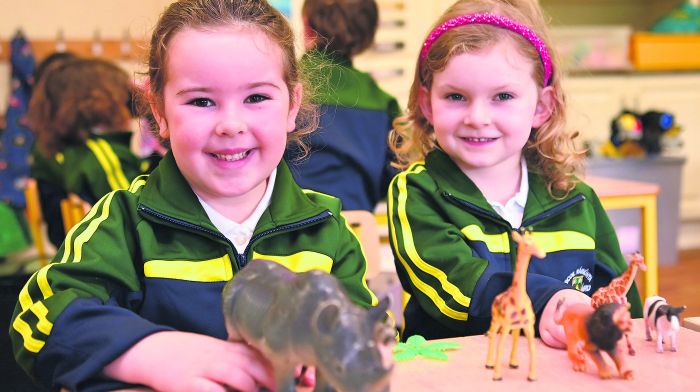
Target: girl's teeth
(231,157)
(479,139)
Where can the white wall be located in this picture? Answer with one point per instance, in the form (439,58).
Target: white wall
(79,18)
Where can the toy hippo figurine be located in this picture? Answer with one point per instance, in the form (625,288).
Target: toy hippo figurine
(662,318)
(592,331)
(307,319)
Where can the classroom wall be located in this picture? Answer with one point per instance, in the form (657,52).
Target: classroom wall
(77,19)
(81,20)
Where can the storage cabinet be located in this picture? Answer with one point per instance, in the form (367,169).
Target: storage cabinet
(595,100)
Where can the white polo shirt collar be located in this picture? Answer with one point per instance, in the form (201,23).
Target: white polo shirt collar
(240,233)
(514,208)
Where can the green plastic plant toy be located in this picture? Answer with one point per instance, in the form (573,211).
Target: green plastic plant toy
(417,346)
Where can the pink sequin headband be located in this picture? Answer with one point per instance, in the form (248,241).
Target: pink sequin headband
(494,20)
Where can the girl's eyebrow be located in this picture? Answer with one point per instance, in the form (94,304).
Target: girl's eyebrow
(263,84)
(505,86)
(450,86)
(209,89)
(194,90)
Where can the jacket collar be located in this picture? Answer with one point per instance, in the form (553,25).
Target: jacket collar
(289,203)
(168,192)
(451,179)
(118,136)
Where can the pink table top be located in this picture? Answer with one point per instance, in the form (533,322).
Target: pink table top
(465,371)
(605,186)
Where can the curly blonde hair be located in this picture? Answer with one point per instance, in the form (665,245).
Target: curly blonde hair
(203,14)
(550,149)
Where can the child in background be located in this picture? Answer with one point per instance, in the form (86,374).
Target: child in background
(79,111)
(134,295)
(48,172)
(484,151)
(349,156)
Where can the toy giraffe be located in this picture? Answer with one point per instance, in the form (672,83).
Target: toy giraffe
(616,291)
(512,311)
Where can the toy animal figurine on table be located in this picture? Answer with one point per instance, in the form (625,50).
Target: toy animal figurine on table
(307,319)
(511,311)
(593,331)
(659,316)
(616,291)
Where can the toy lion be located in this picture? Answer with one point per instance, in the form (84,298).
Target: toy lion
(594,331)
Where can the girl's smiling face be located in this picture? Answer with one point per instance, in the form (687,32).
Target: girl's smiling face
(483,106)
(226,112)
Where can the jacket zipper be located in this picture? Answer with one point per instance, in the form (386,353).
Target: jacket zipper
(240,259)
(554,210)
(476,209)
(308,221)
(180,222)
(498,219)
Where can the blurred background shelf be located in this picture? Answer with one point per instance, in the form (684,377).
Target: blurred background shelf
(662,170)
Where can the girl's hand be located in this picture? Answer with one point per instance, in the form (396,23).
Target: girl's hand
(552,334)
(183,361)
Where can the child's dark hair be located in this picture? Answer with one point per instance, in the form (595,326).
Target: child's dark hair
(209,14)
(344,26)
(50,61)
(75,97)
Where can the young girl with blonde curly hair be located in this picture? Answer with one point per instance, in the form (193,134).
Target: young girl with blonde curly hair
(485,151)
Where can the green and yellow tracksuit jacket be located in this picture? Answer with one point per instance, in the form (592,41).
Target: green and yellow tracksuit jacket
(454,253)
(91,170)
(103,164)
(148,259)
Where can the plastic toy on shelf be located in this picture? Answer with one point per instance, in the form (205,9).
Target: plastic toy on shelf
(637,135)
(684,19)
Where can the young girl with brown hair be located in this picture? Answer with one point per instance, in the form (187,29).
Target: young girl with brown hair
(134,295)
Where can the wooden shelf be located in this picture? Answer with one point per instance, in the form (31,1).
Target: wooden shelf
(112,49)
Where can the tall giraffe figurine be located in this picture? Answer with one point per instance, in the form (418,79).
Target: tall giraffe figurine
(616,291)
(512,311)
